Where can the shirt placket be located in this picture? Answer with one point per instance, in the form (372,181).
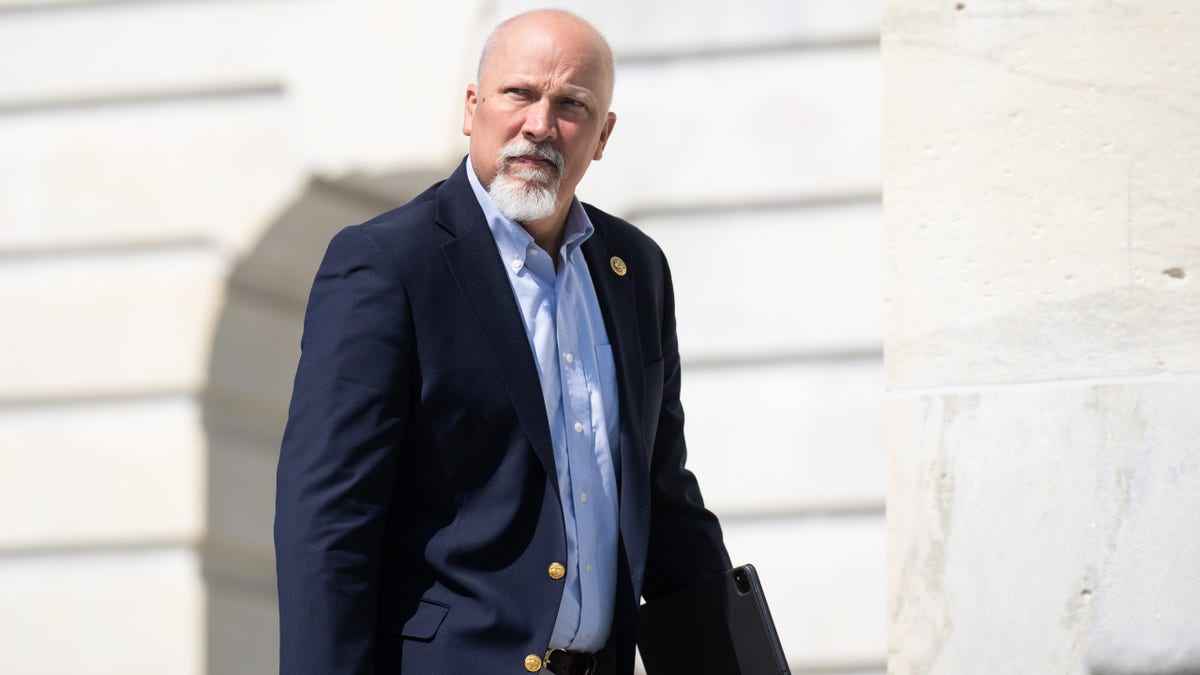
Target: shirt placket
(580,437)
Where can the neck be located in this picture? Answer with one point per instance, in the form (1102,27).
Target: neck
(548,239)
(548,233)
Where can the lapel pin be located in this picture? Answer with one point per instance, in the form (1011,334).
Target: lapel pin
(618,266)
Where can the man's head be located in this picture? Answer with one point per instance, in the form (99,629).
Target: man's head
(538,114)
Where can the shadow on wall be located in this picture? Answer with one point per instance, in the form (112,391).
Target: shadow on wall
(254,355)
(1145,653)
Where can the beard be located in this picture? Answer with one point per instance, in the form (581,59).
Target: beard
(525,194)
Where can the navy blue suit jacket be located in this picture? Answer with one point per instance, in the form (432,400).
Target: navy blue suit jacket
(417,505)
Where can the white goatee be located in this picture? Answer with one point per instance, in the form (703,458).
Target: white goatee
(526,194)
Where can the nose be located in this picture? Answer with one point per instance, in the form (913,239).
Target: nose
(540,123)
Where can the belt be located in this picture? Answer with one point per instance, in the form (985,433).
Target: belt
(563,662)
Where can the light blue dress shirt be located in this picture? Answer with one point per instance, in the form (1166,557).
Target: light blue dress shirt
(578,377)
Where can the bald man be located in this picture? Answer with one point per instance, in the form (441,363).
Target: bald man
(484,465)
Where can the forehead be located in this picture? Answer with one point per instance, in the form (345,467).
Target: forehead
(563,55)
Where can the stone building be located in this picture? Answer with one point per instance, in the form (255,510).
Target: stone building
(170,171)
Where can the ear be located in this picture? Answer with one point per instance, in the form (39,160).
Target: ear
(469,108)
(605,132)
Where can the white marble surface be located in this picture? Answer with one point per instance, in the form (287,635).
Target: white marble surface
(787,437)
(1041,210)
(101,473)
(1056,518)
(103,50)
(1042,213)
(124,322)
(760,127)
(667,27)
(824,581)
(131,173)
(107,612)
(775,282)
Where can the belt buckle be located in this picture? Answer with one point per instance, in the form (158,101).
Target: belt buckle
(589,661)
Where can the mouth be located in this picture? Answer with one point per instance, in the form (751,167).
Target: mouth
(532,161)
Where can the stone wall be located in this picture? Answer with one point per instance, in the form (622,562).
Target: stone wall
(1042,203)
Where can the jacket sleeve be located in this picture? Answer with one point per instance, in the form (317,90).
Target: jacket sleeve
(338,459)
(686,544)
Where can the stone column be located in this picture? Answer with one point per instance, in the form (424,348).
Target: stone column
(1042,203)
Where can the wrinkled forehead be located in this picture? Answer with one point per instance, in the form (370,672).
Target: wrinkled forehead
(567,51)
(543,57)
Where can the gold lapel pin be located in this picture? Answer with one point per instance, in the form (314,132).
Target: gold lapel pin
(618,266)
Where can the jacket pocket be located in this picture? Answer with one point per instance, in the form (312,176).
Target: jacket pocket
(410,617)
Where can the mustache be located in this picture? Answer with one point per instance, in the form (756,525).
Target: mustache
(523,147)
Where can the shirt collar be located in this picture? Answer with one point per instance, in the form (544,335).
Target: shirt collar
(512,239)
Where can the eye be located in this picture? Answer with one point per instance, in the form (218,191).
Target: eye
(574,103)
(517,91)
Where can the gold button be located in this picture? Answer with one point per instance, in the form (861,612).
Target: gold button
(557,571)
(533,663)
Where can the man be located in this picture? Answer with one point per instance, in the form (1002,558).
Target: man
(483,467)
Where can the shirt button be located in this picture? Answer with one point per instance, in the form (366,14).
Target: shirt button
(533,250)
(583,497)
(588,568)
(533,663)
(578,426)
(570,357)
(516,265)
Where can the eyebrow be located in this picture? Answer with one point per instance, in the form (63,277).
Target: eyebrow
(571,90)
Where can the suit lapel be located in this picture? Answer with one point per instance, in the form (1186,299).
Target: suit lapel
(615,293)
(475,264)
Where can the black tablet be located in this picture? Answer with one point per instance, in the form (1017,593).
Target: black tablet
(720,626)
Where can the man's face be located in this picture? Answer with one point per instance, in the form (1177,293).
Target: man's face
(543,86)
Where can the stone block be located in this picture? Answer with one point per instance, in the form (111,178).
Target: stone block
(241,501)
(255,353)
(103,325)
(378,85)
(780,438)
(1039,225)
(101,473)
(215,169)
(779,281)
(824,582)
(95,51)
(1053,517)
(243,631)
(750,129)
(105,612)
(661,28)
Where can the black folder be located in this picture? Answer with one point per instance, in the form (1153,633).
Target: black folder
(720,626)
